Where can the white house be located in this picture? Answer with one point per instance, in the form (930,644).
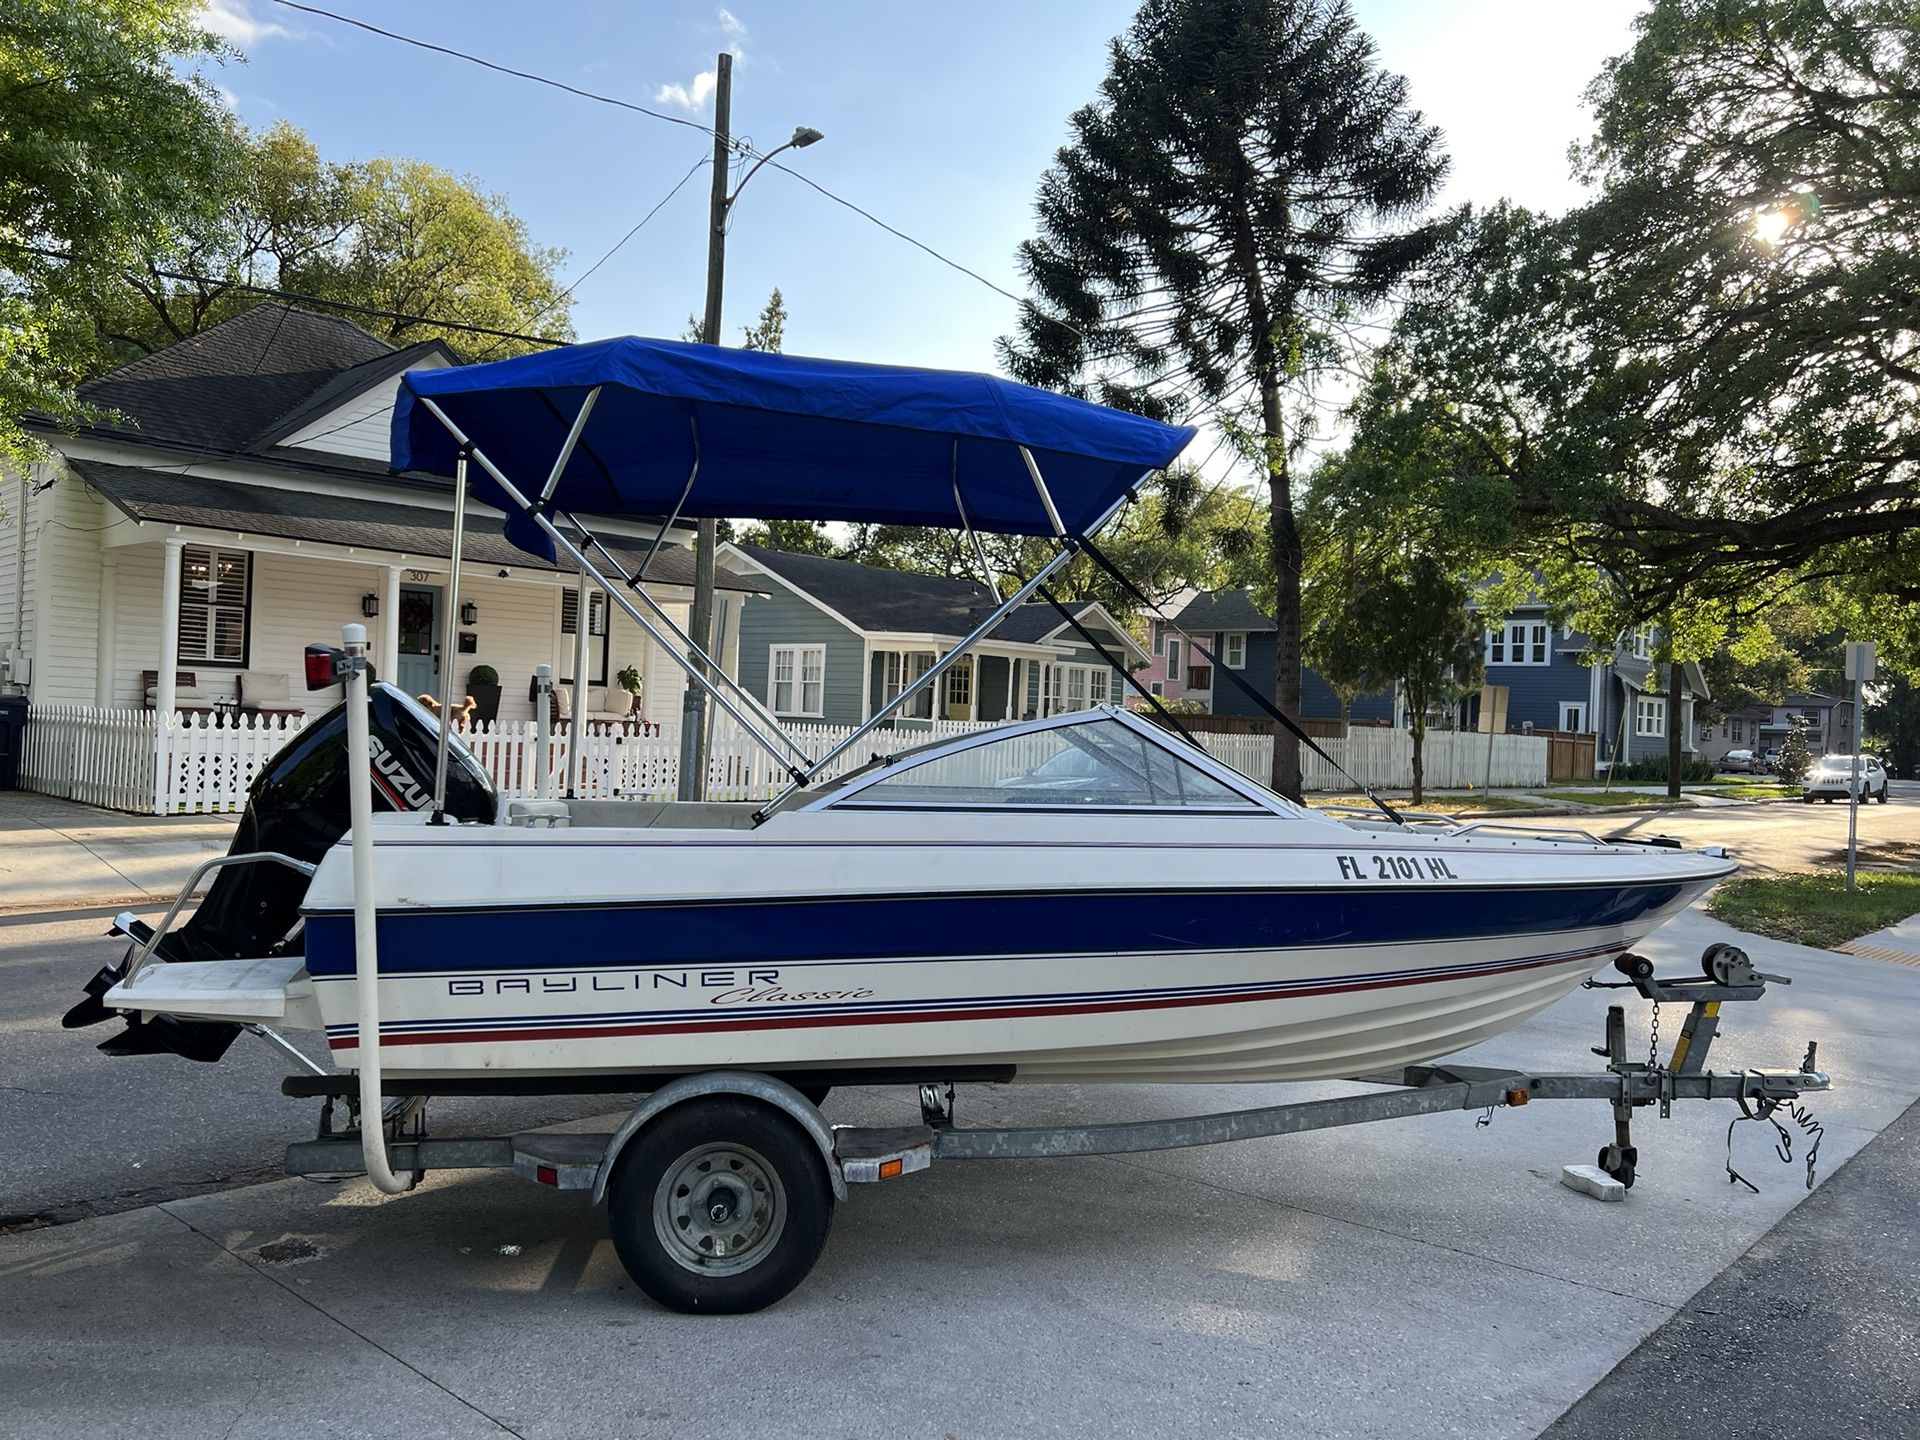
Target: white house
(233,504)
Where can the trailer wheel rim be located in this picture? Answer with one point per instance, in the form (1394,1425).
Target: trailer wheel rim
(719,1209)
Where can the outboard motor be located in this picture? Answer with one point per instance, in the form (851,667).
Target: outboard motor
(297,806)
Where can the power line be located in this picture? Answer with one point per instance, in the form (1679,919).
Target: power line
(706,130)
(743,148)
(277,293)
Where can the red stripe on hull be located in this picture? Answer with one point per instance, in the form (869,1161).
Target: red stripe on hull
(1017,1012)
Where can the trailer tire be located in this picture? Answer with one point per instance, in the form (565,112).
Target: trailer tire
(719,1206)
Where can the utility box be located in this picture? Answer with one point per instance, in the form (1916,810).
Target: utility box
(13,738)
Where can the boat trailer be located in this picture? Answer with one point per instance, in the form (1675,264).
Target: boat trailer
(741,1220)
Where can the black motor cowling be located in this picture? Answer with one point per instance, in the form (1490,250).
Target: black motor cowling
(297,807)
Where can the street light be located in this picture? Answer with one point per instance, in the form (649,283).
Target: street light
(693,729)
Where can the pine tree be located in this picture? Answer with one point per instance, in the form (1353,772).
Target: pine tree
(1228,203)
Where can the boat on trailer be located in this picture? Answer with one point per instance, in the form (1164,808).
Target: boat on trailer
(1087,897)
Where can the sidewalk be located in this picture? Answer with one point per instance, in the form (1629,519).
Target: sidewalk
(57,855)
(1898,943)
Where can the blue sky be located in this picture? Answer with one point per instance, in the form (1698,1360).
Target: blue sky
(939,119)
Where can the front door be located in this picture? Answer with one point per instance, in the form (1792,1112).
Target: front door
(417,666)
(1573,716)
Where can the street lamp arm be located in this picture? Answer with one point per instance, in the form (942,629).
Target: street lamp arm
(803,136)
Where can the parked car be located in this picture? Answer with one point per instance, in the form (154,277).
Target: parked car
(1742,762)
(1770,761)
(1831,779)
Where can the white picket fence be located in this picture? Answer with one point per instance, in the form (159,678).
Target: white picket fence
(204,764)
(81,752)
(1382,759)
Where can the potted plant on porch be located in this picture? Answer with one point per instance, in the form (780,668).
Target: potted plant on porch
(483,684)
(628,680)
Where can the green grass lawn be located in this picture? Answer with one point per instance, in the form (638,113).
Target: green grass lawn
(1757,791)
(1817,909)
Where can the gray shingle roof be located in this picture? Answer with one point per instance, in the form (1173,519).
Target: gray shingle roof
(1223,610)
(904,601)
(332,519)
(877,599)
(221,388)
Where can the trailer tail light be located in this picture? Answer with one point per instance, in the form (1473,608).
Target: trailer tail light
(546,1175)
(325,666)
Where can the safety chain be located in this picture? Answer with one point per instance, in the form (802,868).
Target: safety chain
(1653,1040)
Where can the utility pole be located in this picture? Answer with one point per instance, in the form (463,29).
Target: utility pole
(693,707)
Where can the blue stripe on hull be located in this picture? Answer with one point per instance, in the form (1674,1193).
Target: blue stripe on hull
(707,933)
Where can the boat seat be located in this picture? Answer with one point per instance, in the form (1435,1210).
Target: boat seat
(661,814)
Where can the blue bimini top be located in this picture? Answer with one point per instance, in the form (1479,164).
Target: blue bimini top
(777,437)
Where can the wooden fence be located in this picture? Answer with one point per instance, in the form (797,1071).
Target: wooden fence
(204,764)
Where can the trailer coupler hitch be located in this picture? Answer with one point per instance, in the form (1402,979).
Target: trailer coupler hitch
(1727,974)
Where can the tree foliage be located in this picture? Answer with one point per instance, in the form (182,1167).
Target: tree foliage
(388,234)
(1703,381)
(1239,188)
(108,142)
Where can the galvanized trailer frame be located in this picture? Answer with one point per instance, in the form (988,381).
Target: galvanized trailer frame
(864,1154)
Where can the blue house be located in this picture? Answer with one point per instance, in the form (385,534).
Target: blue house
(1550,687)
(831,641)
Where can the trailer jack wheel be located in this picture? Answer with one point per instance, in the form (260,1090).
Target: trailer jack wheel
(1618,1161)
(720,1206)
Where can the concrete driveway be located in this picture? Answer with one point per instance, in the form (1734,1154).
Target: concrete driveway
(1420,1278)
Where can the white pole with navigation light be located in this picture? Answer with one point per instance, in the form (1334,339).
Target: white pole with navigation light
(366,954)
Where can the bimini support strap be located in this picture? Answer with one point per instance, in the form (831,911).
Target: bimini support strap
(554,533)
(1119,664)
(693,474)
(1273,711)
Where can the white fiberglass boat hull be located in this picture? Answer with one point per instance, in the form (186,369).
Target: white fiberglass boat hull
(1054,947)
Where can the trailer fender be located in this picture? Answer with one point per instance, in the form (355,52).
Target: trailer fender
(764,1088)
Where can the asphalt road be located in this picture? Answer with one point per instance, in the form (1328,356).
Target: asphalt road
(88,1134)
(1785,836)
(1812,1332)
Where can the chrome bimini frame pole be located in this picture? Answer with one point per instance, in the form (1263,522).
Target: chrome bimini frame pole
(559,538)
(719,673)
(691,663)
(447,646)
(985,627)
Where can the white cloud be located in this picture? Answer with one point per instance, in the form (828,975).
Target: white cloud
(687,97)
(693,96)
(231,20)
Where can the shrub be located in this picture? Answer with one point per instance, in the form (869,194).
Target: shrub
(1653,771)
(1792,766)
(483,675)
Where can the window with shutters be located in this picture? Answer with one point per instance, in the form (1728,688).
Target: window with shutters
(596,633)
(216,596)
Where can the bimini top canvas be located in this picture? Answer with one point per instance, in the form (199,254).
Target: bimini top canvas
(778,437)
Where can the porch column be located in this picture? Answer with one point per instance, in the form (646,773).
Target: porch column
(106,631)
(169,631)
(974,678)
(389,661)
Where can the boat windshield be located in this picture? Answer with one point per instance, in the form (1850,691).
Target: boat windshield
(1101,764)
